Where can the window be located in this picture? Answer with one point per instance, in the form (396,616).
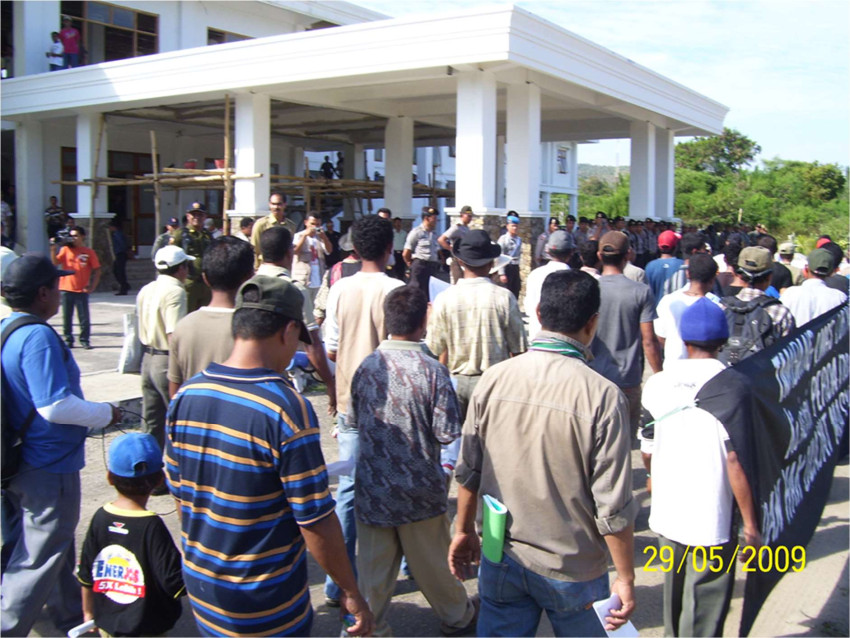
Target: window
(214,36)
(562,161)
(111,33)
(379,155)
(452,151)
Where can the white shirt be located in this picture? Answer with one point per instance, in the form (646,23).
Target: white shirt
(811,299)
(57,52)
(533,286)
(691,494)
(669,311)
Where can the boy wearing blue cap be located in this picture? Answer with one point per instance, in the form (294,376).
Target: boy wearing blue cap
(695,476)
(130,569)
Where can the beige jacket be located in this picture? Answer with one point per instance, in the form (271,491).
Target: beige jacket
(549,438)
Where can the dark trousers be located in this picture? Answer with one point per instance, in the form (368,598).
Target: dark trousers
(696,599)
(514,283)
(420,273)
(119,269)
(80,301)
(399,266)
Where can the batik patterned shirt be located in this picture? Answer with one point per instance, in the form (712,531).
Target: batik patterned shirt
(404,406)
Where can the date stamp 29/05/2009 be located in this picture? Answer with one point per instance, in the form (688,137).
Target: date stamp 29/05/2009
(764,559)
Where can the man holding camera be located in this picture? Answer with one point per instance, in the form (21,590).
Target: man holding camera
(85,265)
(310,247)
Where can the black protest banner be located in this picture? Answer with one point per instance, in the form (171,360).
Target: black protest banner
(786,412)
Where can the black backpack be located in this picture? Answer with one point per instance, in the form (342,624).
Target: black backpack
(751,328)
(12,438)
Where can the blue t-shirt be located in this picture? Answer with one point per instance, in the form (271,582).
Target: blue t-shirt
(659,271)
(37,373)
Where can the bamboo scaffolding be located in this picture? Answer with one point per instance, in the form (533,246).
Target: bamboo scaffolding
(312,191)
(228,182)
(148,179)
(101,125)
(157,187)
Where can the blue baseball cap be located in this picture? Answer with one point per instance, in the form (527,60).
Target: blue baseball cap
(134,454)
(703,320)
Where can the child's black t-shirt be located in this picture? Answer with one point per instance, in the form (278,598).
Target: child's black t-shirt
(131,564)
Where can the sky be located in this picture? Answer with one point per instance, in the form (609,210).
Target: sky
(781,66)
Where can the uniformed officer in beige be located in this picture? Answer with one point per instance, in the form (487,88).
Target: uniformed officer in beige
(159,306)
(276,217)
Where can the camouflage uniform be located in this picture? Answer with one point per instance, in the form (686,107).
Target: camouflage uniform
(194,243)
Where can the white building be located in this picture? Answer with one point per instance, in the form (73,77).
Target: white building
(490,101)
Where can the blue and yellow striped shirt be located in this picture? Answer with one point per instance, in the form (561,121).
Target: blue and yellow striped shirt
(245,465)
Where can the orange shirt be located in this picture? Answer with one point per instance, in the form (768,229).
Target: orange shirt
(82,261)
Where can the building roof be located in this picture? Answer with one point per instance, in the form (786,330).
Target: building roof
(341,84)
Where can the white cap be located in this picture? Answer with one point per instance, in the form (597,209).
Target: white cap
(170,256)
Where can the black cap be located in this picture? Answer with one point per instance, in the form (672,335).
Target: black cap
(277,295)
(30,271)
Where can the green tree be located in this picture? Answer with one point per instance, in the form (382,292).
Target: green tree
(721,154)
(823,182)
(594,186)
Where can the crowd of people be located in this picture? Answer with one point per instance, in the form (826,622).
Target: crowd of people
(538,408)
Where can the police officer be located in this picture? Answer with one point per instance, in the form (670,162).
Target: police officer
(194,239)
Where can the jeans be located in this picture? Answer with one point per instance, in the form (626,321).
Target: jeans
(80,301)
(348,440)
(513,597)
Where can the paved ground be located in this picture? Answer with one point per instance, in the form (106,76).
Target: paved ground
(813,602)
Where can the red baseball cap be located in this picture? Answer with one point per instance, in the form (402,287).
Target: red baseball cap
(668,239)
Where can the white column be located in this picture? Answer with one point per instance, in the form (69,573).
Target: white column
(253,153)
(88,126)
(359,161)
(29,185)
(297,161)
(32,24)
(475,159)
(642,170)
(398,162)
(523,148)
(423,168)
(500,172)
(664,173)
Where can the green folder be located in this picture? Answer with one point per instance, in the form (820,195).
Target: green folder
(495,517)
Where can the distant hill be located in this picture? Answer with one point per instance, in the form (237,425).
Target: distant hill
(607,173)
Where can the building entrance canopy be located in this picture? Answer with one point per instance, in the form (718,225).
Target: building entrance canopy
(461,79)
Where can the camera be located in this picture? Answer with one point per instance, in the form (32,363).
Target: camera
(63,238)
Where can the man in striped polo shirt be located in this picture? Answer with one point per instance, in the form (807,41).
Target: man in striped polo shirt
(245,466)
